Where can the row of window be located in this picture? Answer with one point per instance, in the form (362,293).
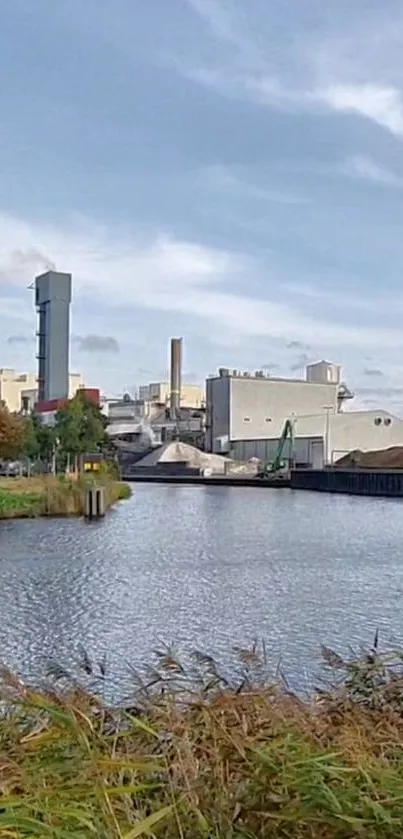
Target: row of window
(248,419)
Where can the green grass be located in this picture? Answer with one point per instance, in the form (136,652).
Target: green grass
(19,504)
(49,496)
(238,762)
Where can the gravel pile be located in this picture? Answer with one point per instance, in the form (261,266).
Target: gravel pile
(177,452)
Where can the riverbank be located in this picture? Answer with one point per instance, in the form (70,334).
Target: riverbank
(154,477)
(237,762)
(53,496)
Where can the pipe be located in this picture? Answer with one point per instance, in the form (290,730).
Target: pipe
(175,378)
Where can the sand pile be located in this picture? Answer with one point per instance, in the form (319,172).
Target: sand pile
(177,452)
(383,459)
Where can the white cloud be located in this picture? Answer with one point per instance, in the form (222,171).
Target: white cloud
(380,104)
(218,20)
(225,179)
(367,169)
(349,73)
(229,28)
(169,275)
(383,105)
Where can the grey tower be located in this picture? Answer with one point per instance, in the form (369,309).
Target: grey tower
(53,298)
(176,378)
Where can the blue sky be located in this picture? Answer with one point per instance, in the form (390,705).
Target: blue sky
(227,171)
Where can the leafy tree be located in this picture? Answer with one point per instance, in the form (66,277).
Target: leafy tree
(80,427)
(39,439)
(31,442)
(46,441)
(11,434)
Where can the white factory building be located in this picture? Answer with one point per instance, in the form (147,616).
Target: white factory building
(246,412)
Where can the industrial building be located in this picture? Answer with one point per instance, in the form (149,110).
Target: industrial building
(245,416)
(19,391)
(52,299)
(162,412)
(158,393)
(12,387)
(30,396)
(173,394)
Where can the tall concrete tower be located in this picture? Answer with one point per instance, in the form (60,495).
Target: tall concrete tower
(175,378)
(53,298)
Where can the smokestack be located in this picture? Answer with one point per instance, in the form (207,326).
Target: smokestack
(176,377)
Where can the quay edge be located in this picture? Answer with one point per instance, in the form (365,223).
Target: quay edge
(386,483)
(213,480)
(370,482)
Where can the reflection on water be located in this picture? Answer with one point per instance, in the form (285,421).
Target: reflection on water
(209,567)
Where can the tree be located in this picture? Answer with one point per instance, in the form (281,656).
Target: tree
(11,434)
(80,427)
(46,441)
(39,439)
(30,442)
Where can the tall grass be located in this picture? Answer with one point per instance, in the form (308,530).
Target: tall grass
(53,496)
(218,762)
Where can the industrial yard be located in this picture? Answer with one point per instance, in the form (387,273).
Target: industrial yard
(257,426)
(241,425)
(257,420)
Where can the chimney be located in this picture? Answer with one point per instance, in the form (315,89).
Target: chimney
(176,377)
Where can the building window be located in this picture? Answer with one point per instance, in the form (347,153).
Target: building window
(387,421)
(378,420)
(246,419)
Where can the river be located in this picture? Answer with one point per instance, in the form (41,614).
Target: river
(203,567)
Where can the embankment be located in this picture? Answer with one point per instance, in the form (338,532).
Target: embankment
(234,763)
(51,496)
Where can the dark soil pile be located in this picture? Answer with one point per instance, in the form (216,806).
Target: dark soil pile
(384,459)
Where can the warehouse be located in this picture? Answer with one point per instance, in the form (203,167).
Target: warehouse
(245,416)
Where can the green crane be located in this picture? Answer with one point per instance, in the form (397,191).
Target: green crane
(270,468)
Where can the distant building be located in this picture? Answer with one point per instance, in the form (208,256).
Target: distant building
(245,415)
(13,385)
(47,409)
(30,398)
(192,396)
(136,424)
(19,391)
(247,406)
(52,299)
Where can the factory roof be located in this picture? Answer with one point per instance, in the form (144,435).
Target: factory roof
(252,377)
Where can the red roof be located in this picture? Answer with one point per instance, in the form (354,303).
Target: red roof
(46,406)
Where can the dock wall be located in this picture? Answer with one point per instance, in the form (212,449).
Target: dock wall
(387,483)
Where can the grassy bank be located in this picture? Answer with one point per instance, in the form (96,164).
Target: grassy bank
(50,496)
(233,763)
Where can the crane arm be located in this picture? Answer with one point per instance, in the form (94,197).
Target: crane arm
(275,465)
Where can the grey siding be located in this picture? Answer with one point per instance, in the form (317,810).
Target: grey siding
(259,407)
(217,411)
(53,296)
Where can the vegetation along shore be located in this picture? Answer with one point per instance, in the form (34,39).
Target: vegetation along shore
(53,496)
(199,758)
(50,459)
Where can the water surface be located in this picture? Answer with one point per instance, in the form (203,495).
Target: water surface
(210,567)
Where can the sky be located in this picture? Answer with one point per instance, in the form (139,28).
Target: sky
(226,171)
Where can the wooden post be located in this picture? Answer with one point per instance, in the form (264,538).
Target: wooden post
(94,502)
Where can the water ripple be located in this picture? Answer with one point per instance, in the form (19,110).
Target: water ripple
(204,566)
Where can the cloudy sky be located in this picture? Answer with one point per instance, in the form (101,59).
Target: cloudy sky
(227,171)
